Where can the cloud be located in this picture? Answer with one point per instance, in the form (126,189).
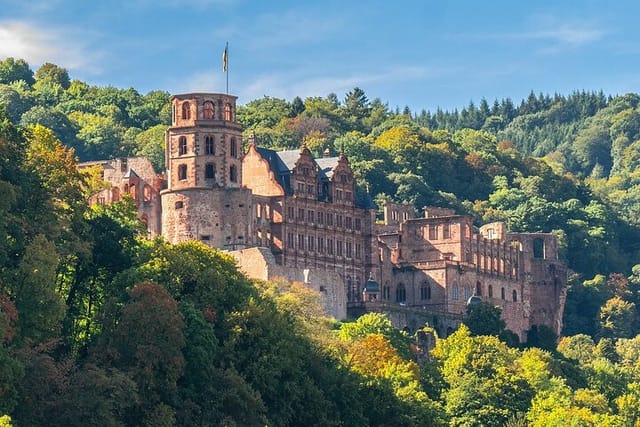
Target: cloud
(571,35)
(38,44)
(288,85)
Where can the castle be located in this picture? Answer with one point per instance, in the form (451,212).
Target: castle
(287,214)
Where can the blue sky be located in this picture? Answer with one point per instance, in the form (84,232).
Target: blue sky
(424,54)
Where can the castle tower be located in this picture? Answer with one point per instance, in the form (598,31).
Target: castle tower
(204,199)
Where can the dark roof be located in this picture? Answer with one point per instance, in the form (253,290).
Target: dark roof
(131,174)
(327,165)
(275,161)
(289,158)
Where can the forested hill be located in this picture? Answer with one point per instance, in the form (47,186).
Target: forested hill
(101,326)
(582,183)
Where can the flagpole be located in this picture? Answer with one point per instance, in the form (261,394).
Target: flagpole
(226,64)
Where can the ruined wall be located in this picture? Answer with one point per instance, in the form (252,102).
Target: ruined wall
(220,218)
(259,263)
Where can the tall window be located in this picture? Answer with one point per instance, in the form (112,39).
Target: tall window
(232,148)
(227,112)
(515,296)
(182,145)
(209,145)
(425,291)
(490,291)
(233,173)
(210,171)
(433,232)
(182,172)
(454,293)
(208,110)
(479,289)
(401,293)
(502,293)
(446,231)
(186,110)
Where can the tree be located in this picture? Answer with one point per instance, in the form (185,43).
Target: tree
(617,318)
(484,319)
(12,70)
(376,323)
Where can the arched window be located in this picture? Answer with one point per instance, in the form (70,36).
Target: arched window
(186,110)
(182,172)
(115,194)
(209,146)
(401,293)
(210,171)
(515,296)
(233,149)
(454,293)
(208,110)
(233,173)
(182,146)
(479,289)
(490,291)
(227,112)
(502,293)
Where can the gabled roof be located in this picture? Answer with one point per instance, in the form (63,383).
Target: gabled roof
(130,174)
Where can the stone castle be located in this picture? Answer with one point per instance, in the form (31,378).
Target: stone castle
(287,214)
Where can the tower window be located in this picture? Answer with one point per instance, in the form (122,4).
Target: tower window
(209,146)
(210,171)
(515,296)
(182,172)
(233,173)
(182,146)
(208,110)
(186,111)
(227,112)
(233,149)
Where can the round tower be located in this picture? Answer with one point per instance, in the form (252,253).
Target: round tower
(204,199)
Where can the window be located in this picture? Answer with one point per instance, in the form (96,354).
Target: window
(290,240)
(454,293)
(310,189)
(300,187)
(233,173)
(146,193)
(446,231)
(233,149)
(338,220)
(502,293)
(330,246)
(182,146)
(358,250)
(347,195)
(179,204)
(320,245)
(300,214)
(208,110)
(290,212)
(210,171)
(348,249)
(182,172)
(538,248)
(320,217)
(101,200)
(310,216)
(515,296)
(338,194)
(186,111)
(343,178)
(301,242)
(205,238)
(339,247)
(467,293)
(490,291)
(433,232)
(425,292)
(347,222)
(209,146)
(258,210)
(386,292)
(401,293)
(227,112)
(358,224)
(479,289)
(311,243)
(329,219)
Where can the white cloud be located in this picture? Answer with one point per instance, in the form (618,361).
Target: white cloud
(38,44)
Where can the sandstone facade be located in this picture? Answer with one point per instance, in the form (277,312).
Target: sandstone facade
(288,214)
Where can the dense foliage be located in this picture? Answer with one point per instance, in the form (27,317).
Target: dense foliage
(100,326)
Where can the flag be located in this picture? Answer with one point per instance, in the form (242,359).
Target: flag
(224,58)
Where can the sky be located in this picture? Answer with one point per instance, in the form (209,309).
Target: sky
(422,54)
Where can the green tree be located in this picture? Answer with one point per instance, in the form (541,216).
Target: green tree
(12,70)
(617,318)
(484,319)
